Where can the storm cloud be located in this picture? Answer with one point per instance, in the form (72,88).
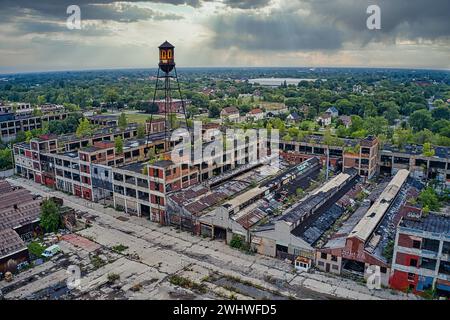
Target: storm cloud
(246,4)
(330,25)
(277,32)
(33,34)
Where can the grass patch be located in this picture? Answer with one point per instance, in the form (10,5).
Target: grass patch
(97,262)
(140,117)
(187,283)
(119,248)
(244,282)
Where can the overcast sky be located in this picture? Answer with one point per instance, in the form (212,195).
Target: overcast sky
(34,36)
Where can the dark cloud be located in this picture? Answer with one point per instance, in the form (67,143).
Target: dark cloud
(277,31)
(39,17)
(246,4)
(124,12)
(58,7)
(411,19)
(115,10)
(47,27)
(331,25)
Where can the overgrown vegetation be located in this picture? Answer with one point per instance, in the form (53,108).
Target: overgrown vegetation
(388,251)
(50,219)
(113,277)
(429,199)
(119,248)
(187,283)
(36,249)
(97,262)
(238,242)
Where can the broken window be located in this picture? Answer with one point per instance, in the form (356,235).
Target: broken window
(431,245)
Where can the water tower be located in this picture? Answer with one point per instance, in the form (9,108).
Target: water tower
(167,73)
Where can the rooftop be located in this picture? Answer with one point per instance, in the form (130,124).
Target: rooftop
(413,149)
(228,110)
(373,216)
(10,242)
(313,201)
(137,167)
(23,214)
(163,163)
(434,223)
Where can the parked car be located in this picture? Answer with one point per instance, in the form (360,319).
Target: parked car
(51,251)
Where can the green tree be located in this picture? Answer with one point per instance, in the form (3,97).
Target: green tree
(423,136)
(421,119)
(438,103)
(402,137)
(141,131)
(6,159)
(173,122)
(213,111)
(21,136)
(344,106)
(41,100)
(123,123)
(441,113)
(84,128)
(37,113)
(376,125)
(392,112)
(28,136)
(118,144)
(357,123)
(428,150)
(111,96)
(429,198)
(50,216)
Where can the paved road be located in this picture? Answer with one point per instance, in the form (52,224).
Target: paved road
(166,251)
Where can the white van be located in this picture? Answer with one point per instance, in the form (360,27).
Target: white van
(51,251)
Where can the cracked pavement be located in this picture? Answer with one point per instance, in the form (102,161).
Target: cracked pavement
(154,254)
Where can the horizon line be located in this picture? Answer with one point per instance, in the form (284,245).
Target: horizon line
(223,67)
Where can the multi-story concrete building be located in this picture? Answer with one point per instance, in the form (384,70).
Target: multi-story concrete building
(10,123)
(364,157)
(360,242)
(421,166)
(421,260)
(369,158)
(294,232)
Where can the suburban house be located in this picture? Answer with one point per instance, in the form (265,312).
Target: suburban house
(333,112)
(346,121)
(230,113)
(255,114)
(324,119)
(293,117)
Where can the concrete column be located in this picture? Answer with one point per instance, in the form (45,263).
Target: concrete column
(438,261)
